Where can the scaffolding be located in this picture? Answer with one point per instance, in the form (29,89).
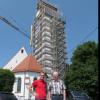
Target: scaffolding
(49,38)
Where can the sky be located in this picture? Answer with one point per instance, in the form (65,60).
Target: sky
(81,18)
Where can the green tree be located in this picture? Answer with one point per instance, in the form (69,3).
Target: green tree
(83,72)
(6,80)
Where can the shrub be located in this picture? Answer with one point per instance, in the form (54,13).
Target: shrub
(7,79)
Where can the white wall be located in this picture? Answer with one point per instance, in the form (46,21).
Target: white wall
(16,59)
(24,94)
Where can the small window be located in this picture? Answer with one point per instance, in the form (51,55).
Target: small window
(22,51)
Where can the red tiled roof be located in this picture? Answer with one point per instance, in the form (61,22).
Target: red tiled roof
(28,64)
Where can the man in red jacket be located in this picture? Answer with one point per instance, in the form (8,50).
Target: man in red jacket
(40,87)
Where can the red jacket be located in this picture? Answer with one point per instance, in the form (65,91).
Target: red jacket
(40,88)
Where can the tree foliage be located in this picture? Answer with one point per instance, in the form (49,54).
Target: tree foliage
(83,72)
(6,80)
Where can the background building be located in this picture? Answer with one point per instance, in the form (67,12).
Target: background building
(48,38)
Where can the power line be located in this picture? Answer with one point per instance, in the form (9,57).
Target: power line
(14,20)
(87,36)
(23,32)
(13,26)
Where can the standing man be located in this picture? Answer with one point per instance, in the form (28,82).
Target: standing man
(40,87)
(56,88)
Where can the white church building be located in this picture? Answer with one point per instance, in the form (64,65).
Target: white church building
(25,68)
(16,59)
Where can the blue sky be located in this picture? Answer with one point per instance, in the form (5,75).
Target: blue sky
(81,18)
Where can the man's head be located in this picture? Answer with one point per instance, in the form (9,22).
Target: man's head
(42,75)
(55,75)
(35,78)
